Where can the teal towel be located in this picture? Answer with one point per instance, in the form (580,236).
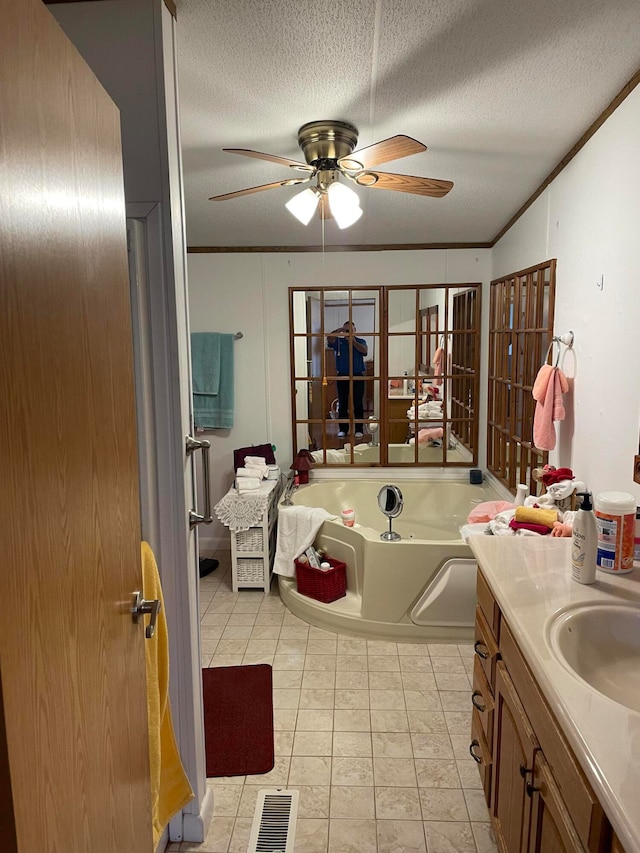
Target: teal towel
(212,372)
(205,362)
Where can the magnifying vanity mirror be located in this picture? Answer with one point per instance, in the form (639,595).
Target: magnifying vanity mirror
(386,376)
(391,503)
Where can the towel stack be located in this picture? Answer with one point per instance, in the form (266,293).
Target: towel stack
(250,477)
(426,411)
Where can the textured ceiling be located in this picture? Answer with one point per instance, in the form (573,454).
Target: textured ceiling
(498,90)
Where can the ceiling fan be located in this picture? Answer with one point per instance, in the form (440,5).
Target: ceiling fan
(328,148)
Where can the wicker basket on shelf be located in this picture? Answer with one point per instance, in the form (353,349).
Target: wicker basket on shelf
(324,586)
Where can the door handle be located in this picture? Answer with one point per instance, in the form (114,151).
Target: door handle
(141,607)
(194,444)
(476,646)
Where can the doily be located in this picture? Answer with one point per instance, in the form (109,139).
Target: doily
(240,512)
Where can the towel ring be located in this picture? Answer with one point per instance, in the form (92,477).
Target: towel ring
(546,358)
(566,339)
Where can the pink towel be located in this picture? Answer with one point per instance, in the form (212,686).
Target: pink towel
(548,388)
(438,366)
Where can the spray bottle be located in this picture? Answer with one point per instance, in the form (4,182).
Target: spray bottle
(585,542)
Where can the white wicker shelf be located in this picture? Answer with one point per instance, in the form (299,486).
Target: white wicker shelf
(253,550)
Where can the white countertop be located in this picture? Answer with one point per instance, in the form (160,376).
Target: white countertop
(530,578)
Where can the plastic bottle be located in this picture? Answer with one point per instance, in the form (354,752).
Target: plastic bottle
(615,523)
(405,385)
(585,542)
(521,493)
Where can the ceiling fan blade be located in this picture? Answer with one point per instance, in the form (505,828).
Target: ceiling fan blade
(382,152)
(249,190)
(271,158)
(404,183)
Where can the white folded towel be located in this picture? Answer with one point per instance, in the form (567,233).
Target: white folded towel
(248,484)
(260,461)
(251,472)
(297,528)
(260,471)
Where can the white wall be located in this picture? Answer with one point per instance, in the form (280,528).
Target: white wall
(249,293)
(589,219)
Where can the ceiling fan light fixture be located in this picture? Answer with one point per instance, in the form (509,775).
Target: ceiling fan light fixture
(304,205)
(344,204)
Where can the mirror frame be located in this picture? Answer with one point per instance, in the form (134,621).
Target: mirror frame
(399,501)
(458,335)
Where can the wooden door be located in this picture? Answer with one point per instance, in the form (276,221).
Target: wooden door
(514,747)
(72,661)
(552,830)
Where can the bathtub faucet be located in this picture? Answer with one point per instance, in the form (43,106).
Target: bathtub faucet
(289,487)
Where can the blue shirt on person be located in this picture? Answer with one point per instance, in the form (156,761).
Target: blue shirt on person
(341,347)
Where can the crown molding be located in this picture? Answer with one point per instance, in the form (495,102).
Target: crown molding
(383,247)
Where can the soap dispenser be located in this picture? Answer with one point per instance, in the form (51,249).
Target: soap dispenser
(585,542)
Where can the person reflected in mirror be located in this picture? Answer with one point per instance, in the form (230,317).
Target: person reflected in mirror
(350,352)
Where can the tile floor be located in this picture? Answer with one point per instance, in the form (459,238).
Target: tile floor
(374,735)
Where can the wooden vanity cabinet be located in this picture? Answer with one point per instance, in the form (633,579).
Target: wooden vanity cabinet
(538,796)
(514,749)
(551,828)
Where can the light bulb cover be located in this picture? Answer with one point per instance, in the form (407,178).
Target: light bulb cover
(344,204)
(303,205)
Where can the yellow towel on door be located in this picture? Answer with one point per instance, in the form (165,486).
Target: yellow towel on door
(532,515)
(170,788)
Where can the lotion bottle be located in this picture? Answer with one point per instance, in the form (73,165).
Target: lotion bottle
(585,542)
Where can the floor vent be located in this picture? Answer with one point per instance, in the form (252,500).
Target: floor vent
(274,822)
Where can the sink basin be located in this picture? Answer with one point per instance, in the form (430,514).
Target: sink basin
(600,643)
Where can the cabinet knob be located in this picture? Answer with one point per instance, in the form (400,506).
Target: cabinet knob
(530,789)
(477,758)
(524,770)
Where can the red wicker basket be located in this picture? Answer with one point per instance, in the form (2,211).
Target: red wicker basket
(323,586)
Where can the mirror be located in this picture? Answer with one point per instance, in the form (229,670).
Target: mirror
(386,375)
(390,501)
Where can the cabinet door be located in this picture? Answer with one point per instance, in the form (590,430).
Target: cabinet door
(514,747)
(551,828)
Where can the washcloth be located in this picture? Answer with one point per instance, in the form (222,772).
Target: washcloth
(555,475)
(248,484)
(549,386)
(212,378)
(541,529)
(438,366)
(170,788)
(297,528)
(530,515)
